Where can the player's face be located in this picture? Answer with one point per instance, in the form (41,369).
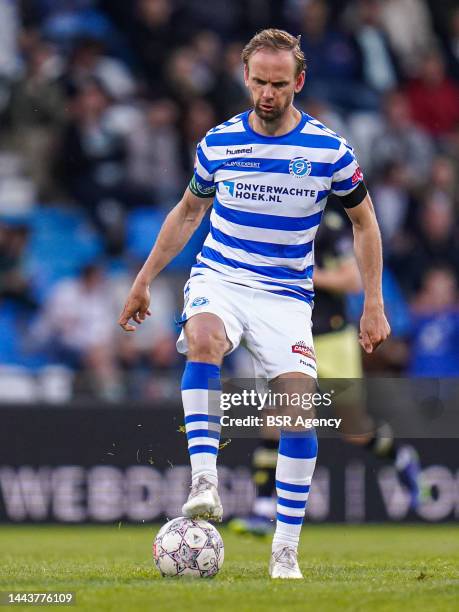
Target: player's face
(271,79)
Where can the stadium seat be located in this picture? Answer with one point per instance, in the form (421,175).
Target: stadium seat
(143,225)
(61,242)
(17,384)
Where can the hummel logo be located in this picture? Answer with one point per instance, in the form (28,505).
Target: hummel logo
(239,151)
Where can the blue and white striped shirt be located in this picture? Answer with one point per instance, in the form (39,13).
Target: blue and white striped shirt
(270,193)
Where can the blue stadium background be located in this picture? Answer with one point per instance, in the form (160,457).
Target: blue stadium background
(102,104)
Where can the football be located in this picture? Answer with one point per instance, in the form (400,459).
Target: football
(186,547)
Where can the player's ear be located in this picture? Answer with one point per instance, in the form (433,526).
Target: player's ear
(246,75)
(299,83)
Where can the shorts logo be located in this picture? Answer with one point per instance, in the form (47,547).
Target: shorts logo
(308,365)
(300,167)
(357,176)
(303,349)
(199,301)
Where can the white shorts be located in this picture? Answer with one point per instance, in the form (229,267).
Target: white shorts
(275,329)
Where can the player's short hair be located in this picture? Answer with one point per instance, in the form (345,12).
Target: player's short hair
(275,39)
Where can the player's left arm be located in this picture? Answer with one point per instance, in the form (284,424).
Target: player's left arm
(374,327)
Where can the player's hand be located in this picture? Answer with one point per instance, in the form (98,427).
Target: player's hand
(374,328)
(136,307)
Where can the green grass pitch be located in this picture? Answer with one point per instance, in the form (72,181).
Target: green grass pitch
(390,568)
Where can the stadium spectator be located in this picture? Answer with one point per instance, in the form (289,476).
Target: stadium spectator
(335,71)
(451,144)
(14,282)
(220,16)
(379,65)
(157,28)
(154,147)
(398,139)
(76,328)
(392,201)
(444,177)
(433,242)
(187,77)
(88,59)
(255,15)
(36,112)
(91,162)
(198,119)
(208,48)
(435,327)
(9,51)
(409,27)
(153,350)
(451,42)
(433,96)
(230,96)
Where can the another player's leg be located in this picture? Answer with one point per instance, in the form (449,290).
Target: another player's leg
(339,356)
(207,344)
(260,521)
(404,458)
(380,442)
(295,468)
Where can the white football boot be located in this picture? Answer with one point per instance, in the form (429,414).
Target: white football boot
(284,564)
(203,502)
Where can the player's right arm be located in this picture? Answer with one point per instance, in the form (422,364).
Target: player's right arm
(175,232)
(348,184)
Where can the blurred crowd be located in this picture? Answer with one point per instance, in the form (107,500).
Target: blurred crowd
(102,104)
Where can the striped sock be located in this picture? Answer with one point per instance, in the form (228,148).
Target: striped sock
(199,382)
(295,467)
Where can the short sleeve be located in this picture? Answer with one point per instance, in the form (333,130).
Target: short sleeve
(202,184)
(347,180)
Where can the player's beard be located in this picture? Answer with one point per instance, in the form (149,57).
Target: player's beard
(272,115)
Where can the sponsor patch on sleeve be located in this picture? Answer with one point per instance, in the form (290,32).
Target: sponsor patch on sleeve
(357,176)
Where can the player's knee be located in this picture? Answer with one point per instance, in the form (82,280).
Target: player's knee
(206,345)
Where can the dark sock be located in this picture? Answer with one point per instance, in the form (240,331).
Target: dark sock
(382,444)
(264,468)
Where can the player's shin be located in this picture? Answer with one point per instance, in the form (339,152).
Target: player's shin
(200,391)
(295,467)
